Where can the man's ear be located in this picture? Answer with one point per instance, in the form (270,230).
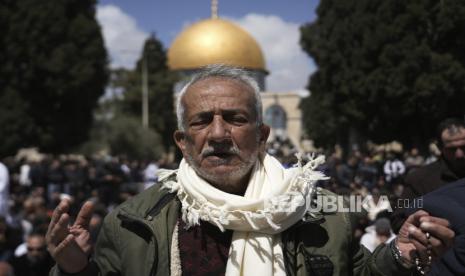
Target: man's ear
(180,139)
(264,134)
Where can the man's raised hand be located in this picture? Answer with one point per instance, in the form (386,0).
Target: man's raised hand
(70,246)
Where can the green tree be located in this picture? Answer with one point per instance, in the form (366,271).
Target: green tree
(53,70)
(118,134)
(160,90)
(386,69)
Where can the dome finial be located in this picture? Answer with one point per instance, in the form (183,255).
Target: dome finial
(214,9)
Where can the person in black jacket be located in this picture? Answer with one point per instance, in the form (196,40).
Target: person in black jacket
(37,261)
(448,168)
(448,202)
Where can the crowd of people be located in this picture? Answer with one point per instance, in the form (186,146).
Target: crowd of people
(31,187)
(37,186)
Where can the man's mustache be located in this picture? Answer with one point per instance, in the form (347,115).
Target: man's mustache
(223,149)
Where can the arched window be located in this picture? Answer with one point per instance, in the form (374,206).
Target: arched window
(276,117)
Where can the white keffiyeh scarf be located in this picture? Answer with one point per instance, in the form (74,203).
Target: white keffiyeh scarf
(275,199)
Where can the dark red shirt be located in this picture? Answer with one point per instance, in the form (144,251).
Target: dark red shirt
(203,249)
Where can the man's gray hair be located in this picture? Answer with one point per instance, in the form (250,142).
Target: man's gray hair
(223,71)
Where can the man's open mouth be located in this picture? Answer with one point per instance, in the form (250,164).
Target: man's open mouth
(222,155)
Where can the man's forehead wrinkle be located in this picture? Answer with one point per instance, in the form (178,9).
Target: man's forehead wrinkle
(205,101)
(211,103)
(212,84)
(206,92)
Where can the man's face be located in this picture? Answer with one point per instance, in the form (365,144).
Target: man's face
(453,150)
(36,249)
(221,140)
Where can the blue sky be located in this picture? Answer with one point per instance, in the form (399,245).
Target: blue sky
(273,23)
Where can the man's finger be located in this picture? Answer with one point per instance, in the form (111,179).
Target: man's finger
(62,208)
(435,220)
(416,234)
(412,220)
(59,232)
(415,217)
(437,247)
(421,251)
(443,233)
(85,214)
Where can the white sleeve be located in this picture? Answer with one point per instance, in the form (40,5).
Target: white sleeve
(387,168)
(4,178)
(401,166)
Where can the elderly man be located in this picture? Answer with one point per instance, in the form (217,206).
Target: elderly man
(230,209)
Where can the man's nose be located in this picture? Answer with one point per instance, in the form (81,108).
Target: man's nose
(219,129)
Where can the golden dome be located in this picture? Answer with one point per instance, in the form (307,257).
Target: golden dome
(213,41)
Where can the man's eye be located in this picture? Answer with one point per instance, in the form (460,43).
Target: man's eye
(238,119)
(198,122)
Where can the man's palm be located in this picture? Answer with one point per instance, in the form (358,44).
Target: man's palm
(70,246)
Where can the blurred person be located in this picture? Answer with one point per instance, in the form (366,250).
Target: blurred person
(347,171)
(150,174)
(375,203)
(37,174)
(136,175)
(108,180)
(377,233)
(22,225)
(4,190)
(211,217)
(36,212)
(358,189)
(433,153)
(125,167)
(55,182)
(24,174)
(16,220)
(76,177)
(393,168)
(331,165)
(92,178)
(10,238)
(37,261)
(382,186)
(6,269)
(413,159)
(397,190)
(71,185)
(448,168)
(367,172)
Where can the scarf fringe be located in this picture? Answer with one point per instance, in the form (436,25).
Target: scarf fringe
(301,189)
